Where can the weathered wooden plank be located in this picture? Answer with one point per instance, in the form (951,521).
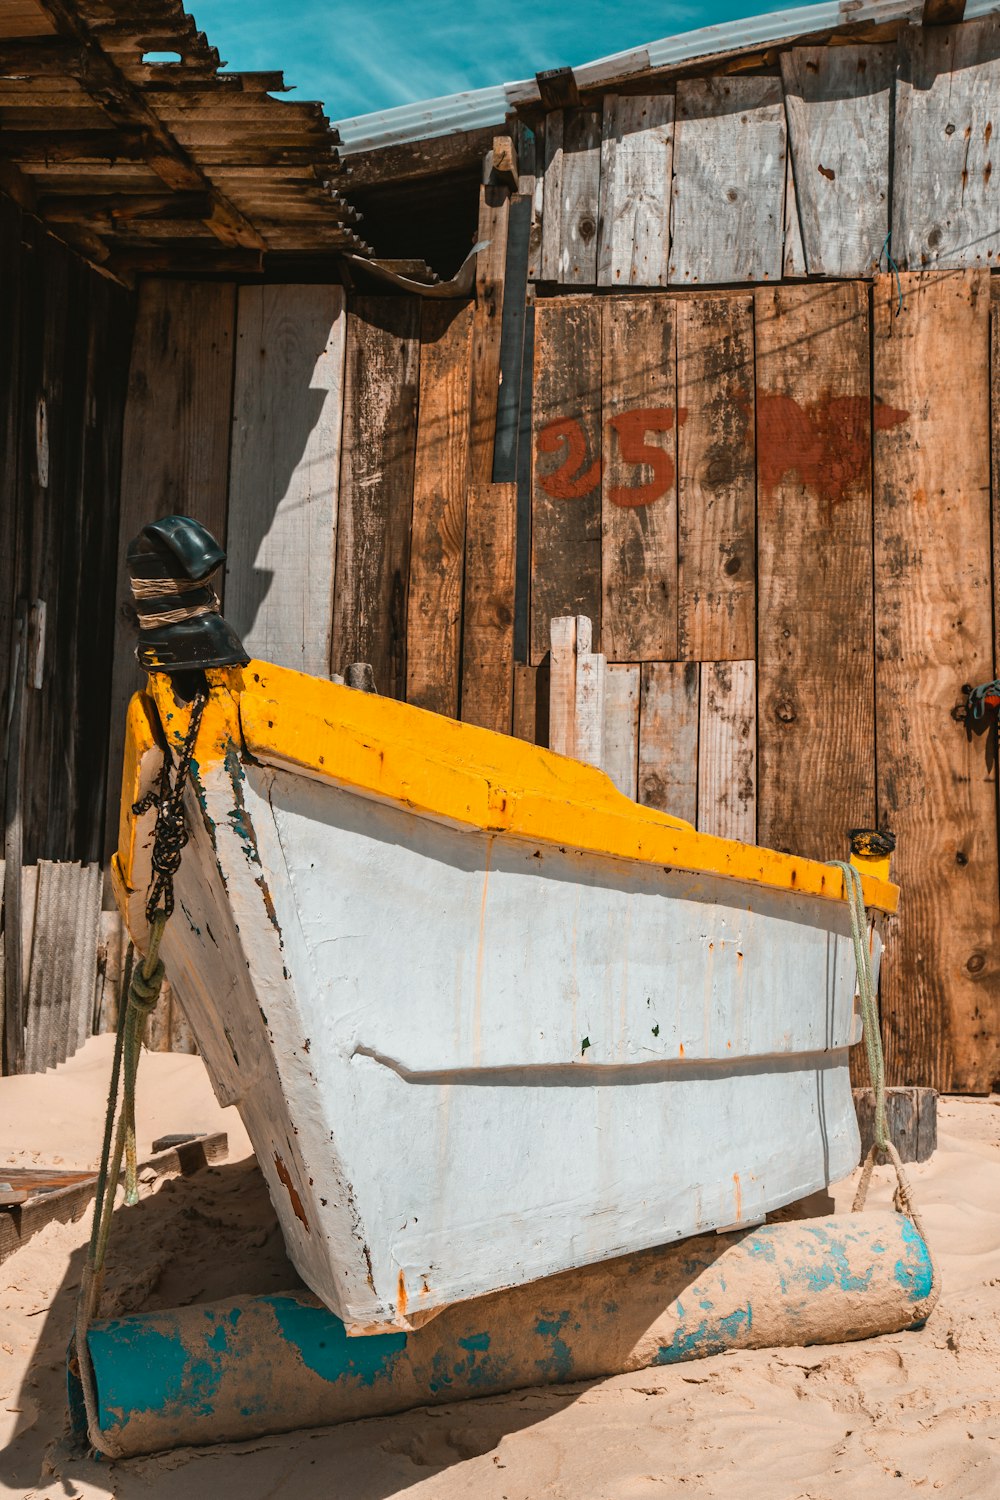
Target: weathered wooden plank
(815,648)
(437,546)
(621,726)
(175,450)
(572,197)
(838,105)
(285,472)
(565,637)
(946,198)
(491,267)
(794,262)
(536,231)
(716,480)
(376,488)
(637,147)
(508,405)
(591,671)
(911,1114)
(488,622)
(566,483)
(531,703)
(995,454)
(936,789)
(639,480)
(727,750)
(729,180)
(668,738)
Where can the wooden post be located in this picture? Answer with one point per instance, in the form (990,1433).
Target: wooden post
(912,1118)
(576,692)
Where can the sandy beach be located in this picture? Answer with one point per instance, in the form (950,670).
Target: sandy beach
(910,1411)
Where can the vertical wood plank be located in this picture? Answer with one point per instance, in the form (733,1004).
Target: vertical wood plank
(729,180)
(668,738)
(565,635)
(936,789)
(637,148)
(537,193)
(716,482)
(995,455)
(727,751)
(437,543)
(376,488)
(946,196)
(572,188)
(566,481)
(285,472)
(491,265)
(488,623)
(621,726)
(639,480)
(815,645)
(591,671)
(794,263)
(531,703)
(175,451)
(838,105)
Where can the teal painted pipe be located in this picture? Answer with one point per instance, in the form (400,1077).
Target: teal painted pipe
(259,1365)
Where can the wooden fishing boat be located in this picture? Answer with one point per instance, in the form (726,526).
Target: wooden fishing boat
(484,1017)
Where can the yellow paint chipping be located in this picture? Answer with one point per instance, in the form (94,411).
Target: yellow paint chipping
(468,776)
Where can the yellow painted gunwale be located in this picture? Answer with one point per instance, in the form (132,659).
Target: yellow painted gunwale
(472,777)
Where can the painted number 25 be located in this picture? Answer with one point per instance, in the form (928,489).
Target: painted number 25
(573,477)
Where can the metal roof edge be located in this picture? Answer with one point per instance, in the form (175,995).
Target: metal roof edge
(479,109)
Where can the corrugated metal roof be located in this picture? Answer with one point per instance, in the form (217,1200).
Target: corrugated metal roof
(480,109)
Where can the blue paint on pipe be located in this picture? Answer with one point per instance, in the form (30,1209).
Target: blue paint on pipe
(916,1274)
(558,1363)
(709,1336)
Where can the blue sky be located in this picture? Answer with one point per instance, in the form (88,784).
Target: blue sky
(362,55)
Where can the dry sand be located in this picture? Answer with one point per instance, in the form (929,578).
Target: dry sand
(913,1411)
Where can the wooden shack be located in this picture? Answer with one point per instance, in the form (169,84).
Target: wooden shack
(723,385)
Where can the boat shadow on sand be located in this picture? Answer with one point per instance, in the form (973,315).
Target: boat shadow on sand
(201,1239)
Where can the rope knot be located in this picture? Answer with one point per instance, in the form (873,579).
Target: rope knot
(143,992)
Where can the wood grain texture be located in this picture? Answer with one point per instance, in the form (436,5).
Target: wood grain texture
(285,472)
(729,180)
(794,262)
(488,619)
(571,197)
(936,788)
(637,147)
(175,451)
(491,264)
(716,479)
(727,750)
(995,458)
(531,703)
(946,196)
(376,488)
(437,541)
(838,105)
(668,738)
(566,477)
(568,635)
(814,565)
(621,726)
(639,480)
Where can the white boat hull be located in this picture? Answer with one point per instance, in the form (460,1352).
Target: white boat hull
(467,1060)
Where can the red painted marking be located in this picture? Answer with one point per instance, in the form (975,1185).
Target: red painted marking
(570,480)
(827,443)
(631,428)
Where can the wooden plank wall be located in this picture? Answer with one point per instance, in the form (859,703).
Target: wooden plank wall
(786,171)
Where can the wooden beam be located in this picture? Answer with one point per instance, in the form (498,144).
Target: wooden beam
(90,208)
(557,88)
(123,102)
